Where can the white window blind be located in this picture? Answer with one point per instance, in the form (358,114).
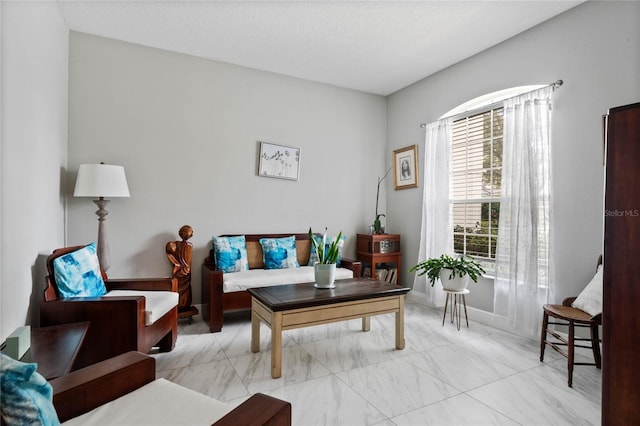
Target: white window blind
(476,182)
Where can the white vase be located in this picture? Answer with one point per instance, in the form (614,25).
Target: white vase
(456,283)
(325,275)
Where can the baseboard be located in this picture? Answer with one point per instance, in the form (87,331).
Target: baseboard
(487,318)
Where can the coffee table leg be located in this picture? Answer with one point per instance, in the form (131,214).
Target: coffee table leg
(400,324)
(276,345)
(255,332)
(366,323)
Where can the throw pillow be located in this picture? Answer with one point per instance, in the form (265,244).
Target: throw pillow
(26,397)
(279,253)
(231,253)
(78,274)
(590,300)
(313,256)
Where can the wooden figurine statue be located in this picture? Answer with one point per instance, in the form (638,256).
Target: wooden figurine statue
(179,254)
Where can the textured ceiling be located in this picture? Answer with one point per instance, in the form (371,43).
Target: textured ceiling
(373,46)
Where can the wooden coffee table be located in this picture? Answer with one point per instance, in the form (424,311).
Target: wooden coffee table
(285,307)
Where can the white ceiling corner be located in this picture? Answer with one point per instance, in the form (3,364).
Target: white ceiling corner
(373,46)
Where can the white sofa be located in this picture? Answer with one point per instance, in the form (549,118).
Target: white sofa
(225,292)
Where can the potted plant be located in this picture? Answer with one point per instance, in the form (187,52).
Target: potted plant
(454,273)
(377,226)
(324,269)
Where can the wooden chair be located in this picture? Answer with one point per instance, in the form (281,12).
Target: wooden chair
(117,324)
(572,318)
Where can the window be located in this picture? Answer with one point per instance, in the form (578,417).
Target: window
(477,173)
(476,176)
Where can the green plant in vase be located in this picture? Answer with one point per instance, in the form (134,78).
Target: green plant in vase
(326,255)
(377,226)
(324,270)
(453,272)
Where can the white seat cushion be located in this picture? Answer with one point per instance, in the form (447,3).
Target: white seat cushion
(238,281)
(157,303)
(160,402)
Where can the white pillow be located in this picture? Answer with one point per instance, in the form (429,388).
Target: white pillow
(590,300)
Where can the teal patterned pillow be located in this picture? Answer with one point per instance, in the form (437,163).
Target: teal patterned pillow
(78,273)
(231,253)
(26,397)
(279,253)
(313,256)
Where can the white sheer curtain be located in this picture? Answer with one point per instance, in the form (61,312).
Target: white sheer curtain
(523,260)
(436,237)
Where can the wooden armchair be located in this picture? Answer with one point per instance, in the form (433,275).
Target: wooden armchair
(117,324)
(83,390)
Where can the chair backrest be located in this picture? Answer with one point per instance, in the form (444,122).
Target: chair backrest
(51,291)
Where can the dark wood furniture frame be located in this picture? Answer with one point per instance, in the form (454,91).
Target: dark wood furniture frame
(215,302)
(117,324)
(374,249)
(621,290)
(572,318)
(84,390)
(179,254)
(55,349)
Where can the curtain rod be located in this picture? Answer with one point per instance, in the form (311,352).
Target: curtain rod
(555,85)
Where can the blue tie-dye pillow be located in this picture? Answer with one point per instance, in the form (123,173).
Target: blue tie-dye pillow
(313,256)
(231,253)
(279,253)
(26,397)
(78,273)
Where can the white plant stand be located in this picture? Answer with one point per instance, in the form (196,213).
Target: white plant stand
(456,297)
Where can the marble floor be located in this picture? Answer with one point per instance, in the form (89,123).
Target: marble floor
(336,374)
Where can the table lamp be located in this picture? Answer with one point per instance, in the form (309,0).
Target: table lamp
(101,180)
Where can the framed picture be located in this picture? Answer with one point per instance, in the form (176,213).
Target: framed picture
(279,161)
(405,167)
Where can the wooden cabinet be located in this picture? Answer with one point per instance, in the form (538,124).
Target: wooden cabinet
(621,291)
(375,249)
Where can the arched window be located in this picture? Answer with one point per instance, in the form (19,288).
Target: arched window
(484,101)
(476,172)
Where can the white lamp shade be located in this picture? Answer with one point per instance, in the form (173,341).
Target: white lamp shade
(101,180)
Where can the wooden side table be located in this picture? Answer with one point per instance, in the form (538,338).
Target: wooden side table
(374,249)
(456,297)
(55,348)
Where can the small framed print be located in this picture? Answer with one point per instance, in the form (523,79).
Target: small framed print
(405,167)
(279,161)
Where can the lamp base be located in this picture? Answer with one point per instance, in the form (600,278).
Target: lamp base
(103,244)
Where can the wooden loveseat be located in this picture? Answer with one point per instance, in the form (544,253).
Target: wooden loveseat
(216,301)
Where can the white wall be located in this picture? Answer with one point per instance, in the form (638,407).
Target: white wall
(186,131)
(595,49)
(33,156)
